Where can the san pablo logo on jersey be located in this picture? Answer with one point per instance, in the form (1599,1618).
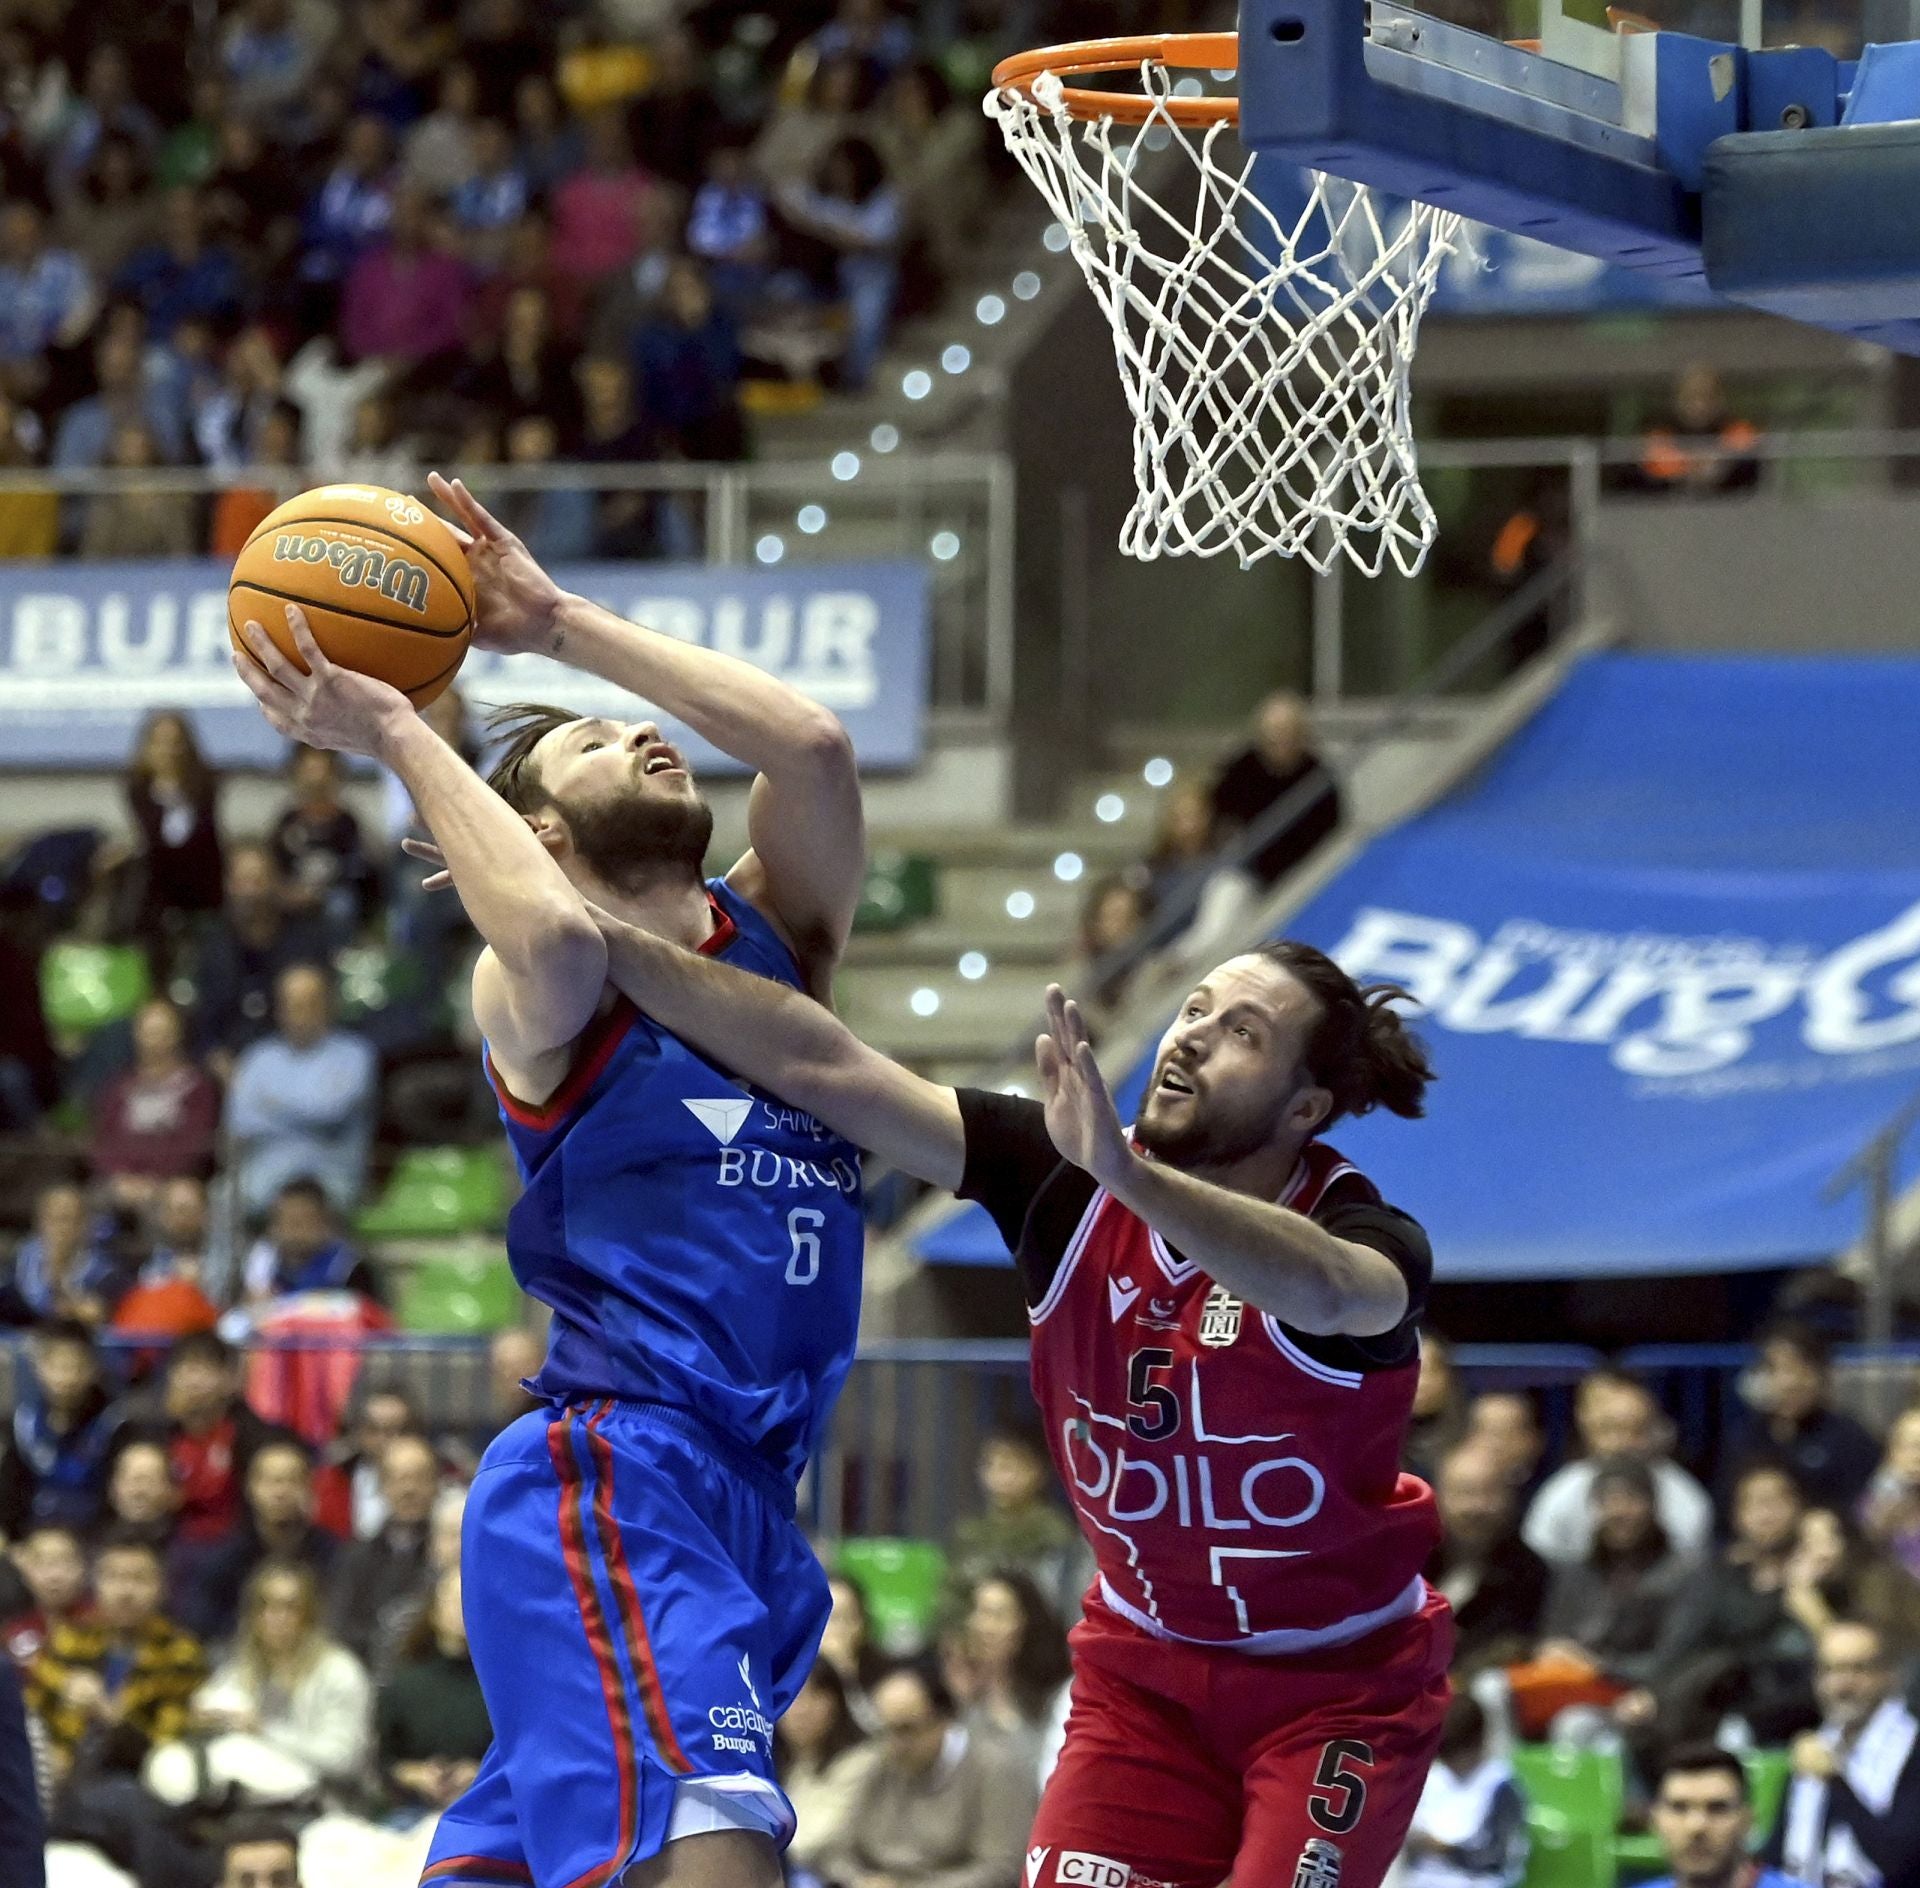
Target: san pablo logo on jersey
(725,1117)
(722,1119)
(1220,1318)
(1318,1866)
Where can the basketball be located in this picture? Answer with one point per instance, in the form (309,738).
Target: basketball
(384,584)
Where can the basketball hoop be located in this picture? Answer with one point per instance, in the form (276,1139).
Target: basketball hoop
(1267,367)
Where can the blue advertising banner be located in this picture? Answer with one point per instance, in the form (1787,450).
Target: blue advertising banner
(1667,953)
(86,649)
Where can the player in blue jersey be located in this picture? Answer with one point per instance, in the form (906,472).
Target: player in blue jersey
(640,1603)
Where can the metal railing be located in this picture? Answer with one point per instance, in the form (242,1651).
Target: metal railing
(952,511)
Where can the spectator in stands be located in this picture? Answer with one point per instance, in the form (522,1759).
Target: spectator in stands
(549,143)
(210,1436)
(173,800)
(302,1100)
(492,199)
(1508,1423)
(278,1526)
(688,358)
(378,1583)
(1279,764)
(112,214)
(1890,1510)
(1439,1408)
(555,524)
(348,1486)
(938,1804)
(52,1569)
(529,373)
(47,298)
(1616,1417)
(1703,1814)
(353,206)
(853,209)
(1852,1816)
(1731,1644)
(513,1356)
(23,1828)
(184,276)
(614,432)
(320,849)
(1829,1454)
(439,153)
(144,1505)
(66,1270)
(1700,447)
(806,125)
(182,1243)
(596,208)
(270,52)
(1016,1659)
(303,1249)
(1184,874)
(1833,1573)
(110,1686)
(405,299)
(847,1645)
(1469,1829)
(53,1462)
(157,1120)
(122,396)
(865,31)
(1605,1613)
(288,1694)
(1495,1582)
(1114,914)
(728,229)
(1021,1526)
(143,521)
(105,108)
(822,1757)
(256,1853)
(433,1727)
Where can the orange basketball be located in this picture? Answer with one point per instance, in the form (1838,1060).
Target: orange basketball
(384,583)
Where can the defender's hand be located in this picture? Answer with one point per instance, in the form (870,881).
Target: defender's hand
(1081,1116)
(516,605)
(439,879)
(328,706)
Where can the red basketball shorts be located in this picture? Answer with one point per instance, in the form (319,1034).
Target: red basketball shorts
(1187,1766)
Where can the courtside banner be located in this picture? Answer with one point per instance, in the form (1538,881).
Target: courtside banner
(1666,949)
(86,649)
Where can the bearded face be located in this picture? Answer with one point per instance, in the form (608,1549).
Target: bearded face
(630,841)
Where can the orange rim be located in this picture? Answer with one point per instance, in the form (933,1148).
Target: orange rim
(1195,52)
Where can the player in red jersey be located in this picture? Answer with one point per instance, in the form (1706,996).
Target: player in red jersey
(1225,1349)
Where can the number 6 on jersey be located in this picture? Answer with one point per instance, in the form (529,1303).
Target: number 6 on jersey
(803,1228)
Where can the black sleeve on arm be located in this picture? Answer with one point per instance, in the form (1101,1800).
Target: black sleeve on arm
(1014,1170)
(1891,1842)
(1369,1221)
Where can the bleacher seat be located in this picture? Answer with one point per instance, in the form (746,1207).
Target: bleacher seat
(438,1193)
(1561,1856)
(83,987)
(901,1583)
(1584,1786)
(458,1294)
(900,889)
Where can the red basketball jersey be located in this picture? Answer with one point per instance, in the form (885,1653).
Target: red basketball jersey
(1235,1489)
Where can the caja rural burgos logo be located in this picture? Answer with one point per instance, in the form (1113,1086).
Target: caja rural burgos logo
(1681,1012)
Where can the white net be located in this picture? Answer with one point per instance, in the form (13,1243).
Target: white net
(1266,367)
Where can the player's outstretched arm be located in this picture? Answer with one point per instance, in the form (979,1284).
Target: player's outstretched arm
(544,971)
(783,1041)
(1278,1261)
(804,819)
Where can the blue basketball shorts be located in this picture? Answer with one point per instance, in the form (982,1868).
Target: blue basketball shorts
(641,1609)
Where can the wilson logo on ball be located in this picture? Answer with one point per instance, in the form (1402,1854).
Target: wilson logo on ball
(395,579)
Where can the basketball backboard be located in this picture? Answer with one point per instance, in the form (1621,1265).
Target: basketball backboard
(1783,176)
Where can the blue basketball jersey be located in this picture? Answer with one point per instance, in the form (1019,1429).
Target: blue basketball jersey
(700,1244)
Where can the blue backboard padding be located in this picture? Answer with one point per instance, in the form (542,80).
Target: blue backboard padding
(1821,226)
(1668,945)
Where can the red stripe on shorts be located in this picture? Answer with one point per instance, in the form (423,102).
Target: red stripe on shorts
(573,1545)
(633,1623)
(487,1868)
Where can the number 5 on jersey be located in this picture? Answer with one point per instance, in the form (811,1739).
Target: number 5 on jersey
(803,1228)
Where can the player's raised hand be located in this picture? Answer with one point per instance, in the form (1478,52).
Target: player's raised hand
(328,706)
(1081,1116)
(515,602)
(440,879)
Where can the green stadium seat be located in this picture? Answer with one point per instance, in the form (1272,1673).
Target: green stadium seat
(901,1582)
(1561,1856)
(458,1294)
(1640,1857)
(901,888)
(439,1192)
(83,987)
(1584,1786)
